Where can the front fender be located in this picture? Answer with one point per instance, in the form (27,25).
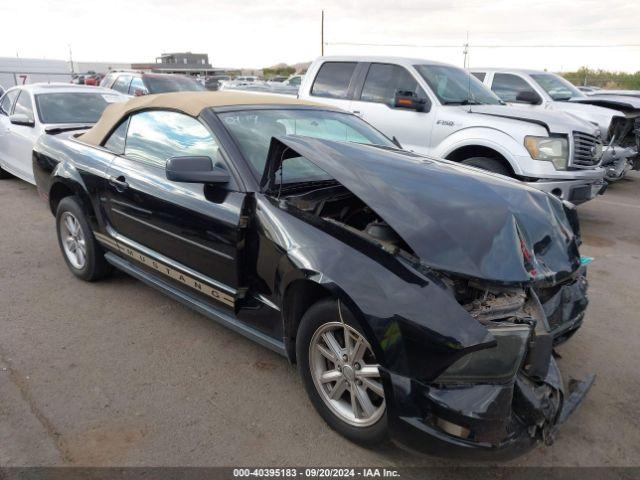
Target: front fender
(506,145)
(415,326)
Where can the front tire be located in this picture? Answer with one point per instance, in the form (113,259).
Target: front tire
(489,164)
(81,251)
(340,373)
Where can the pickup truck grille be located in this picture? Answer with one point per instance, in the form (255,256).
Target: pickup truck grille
(586,149)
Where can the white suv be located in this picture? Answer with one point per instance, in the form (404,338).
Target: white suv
(442,111)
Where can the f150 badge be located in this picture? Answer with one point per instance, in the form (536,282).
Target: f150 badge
(447,123)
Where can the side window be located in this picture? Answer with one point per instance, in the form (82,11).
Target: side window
(24,105)
(115,142)
(122,83)
(333,79)
(384,80)
(479,75)
(508,86)
(137,84)
(155,136)
(7,102)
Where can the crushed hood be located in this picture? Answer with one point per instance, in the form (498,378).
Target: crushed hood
(624,103)
(554,122)
(455,218)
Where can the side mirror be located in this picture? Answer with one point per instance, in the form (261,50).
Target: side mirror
(138,92)
(409,100)
(22,119)
(195,170)
(528,96)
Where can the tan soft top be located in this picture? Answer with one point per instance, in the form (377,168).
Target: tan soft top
(191,103)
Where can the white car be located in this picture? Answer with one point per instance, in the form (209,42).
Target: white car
(28,111)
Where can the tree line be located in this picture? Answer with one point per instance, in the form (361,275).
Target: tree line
(604,79)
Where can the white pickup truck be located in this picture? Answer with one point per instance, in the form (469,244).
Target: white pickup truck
(442,111)
(618,116)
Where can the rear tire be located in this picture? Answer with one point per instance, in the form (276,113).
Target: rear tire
(82,253)
(361,417)
(489,164)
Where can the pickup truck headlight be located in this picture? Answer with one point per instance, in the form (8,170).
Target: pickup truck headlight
(550,149)
(497,364)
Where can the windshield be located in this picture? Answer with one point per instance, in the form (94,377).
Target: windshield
(73,107)
(558,88)
(252,130)
(171,83)
(454,86)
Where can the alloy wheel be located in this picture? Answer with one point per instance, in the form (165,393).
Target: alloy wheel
(73,240)
(346,374)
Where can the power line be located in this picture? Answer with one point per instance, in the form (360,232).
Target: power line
(462,45)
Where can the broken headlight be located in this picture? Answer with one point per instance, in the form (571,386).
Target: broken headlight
(550,149)
(497,364)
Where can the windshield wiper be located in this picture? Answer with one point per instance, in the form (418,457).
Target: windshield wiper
(56,130)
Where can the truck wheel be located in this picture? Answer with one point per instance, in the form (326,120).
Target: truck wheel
(340,373)
(490,164)
(81,251)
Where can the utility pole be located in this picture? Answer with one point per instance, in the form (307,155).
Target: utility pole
(322,34)
(71,59)
(466,52)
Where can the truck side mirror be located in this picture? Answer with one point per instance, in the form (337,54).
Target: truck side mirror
(195,170)
(22,119)
(528,96)
(409,100)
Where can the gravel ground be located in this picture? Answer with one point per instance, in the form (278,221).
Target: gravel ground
(114,373)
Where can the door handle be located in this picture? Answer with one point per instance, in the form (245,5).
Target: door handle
(119,183)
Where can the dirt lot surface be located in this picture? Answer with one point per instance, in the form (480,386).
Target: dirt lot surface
(114,373)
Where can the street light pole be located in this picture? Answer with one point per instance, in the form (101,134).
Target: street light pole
(322,34)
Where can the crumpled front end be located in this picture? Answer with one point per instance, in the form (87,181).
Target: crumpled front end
(503,400)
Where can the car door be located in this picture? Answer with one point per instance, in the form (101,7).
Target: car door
(192,229)
(374,102)
(6,107)
(334,84)
(20,139)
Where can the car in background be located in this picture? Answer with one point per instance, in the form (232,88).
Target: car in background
(137,84)
(617,117)
(213,82)
(263,212)
(294,81)
(440,110)
(587,89)
(277,79)
(28,111)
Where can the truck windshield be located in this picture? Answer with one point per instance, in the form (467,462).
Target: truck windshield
(454,86)
(558,88)
(253,130)
(73,107)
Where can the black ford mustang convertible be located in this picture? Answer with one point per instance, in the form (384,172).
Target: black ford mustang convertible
(420,299)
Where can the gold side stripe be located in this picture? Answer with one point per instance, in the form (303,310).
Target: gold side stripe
(166,270)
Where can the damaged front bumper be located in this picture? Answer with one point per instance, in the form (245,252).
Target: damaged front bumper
(481,421)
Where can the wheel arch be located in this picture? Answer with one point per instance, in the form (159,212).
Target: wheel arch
(469,151)
(65,187)
(299,296)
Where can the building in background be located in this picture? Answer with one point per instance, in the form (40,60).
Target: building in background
(185,63)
